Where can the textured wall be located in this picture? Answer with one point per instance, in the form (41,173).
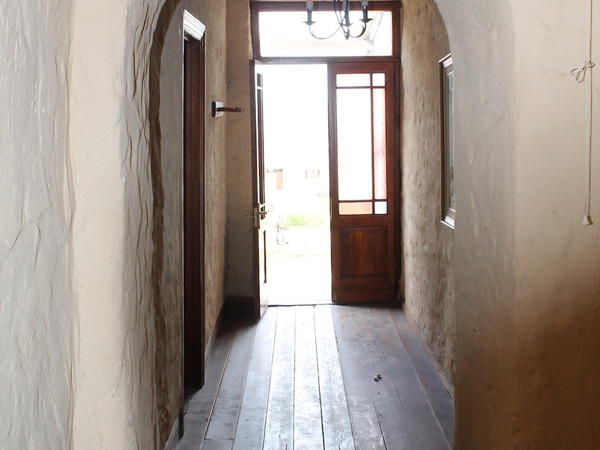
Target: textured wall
(558,259)
(427,243)
(128,372)
(166,122)
(240,228)
(36,299)
(482,42)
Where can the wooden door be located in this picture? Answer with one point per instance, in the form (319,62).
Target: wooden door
(193,211)
(362,181)
(259,212)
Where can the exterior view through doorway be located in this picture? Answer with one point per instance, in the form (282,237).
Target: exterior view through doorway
(296,146)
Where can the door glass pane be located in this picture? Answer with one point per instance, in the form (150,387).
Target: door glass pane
(379,79)
(354,80)
(356,209)
(355,175)
(381,208)
(379,144)
(284,33)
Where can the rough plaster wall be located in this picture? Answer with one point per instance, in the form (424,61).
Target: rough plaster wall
(36,299)
(127,383)
(427,243)
(558,259)
(482,42)
(240,229)
(166,149)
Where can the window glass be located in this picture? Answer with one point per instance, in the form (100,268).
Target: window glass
(284,33)
(355,161)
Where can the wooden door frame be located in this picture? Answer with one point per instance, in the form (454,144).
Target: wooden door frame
(194,200)
(395,7)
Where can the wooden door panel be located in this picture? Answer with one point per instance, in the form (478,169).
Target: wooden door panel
(259,212)
(363,253)
(362,117)
(194,200)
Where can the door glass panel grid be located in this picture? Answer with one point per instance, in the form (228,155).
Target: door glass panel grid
(362,143)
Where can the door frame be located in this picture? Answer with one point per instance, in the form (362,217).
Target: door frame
(193,360)
(256,6)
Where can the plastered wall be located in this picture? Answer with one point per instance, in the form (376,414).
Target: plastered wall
(558,260)
(36,299)
(240,227)
(166,122)
(481,38)
(427,243)
(128,376)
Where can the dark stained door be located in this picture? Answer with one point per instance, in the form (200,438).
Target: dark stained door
(362,181)
(193,173)
(259,212)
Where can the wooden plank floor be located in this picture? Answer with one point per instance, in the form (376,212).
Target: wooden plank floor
(321,378)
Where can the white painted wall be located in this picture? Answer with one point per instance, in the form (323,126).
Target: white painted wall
(558,259)
(36,199)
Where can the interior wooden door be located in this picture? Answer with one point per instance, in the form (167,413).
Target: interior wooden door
(193,211)
(259,212)
(362,181)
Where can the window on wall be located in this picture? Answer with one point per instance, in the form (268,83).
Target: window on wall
(284,33)
(447,107)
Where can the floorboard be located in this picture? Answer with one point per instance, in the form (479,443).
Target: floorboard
(199,407)
(212,444)
(337,431)
(279,427)
(421,418)
(308,432)
(431,381)
(358,376)
(226,410)
(251,424)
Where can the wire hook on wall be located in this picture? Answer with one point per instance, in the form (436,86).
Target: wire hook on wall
(580,74)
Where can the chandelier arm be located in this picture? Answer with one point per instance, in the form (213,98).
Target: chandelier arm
(322,38)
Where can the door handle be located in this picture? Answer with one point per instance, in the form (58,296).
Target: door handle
(258,213)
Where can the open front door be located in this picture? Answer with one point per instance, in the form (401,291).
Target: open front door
(362,181)
(259,212)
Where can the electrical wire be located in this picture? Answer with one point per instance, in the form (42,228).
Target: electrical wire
(580,74)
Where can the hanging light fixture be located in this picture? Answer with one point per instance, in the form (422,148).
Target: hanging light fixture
(341,8)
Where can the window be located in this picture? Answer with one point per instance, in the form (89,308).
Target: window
(362,143)
(447,106)
(284,33)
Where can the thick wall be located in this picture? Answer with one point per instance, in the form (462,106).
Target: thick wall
(427,243)
(166,147)
(240,228)
(558,259)
(128,190)
(36,299)
(482,42)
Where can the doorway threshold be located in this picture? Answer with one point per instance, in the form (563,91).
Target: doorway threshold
(283,303)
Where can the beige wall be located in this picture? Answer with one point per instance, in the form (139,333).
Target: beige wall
(36,297)
(427,243)
(127,179)
(558,259)
(482,42)
(240,229)
(166,166)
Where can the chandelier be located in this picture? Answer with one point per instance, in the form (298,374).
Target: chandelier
(341,8)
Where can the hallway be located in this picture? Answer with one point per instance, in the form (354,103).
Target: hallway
(285,384)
